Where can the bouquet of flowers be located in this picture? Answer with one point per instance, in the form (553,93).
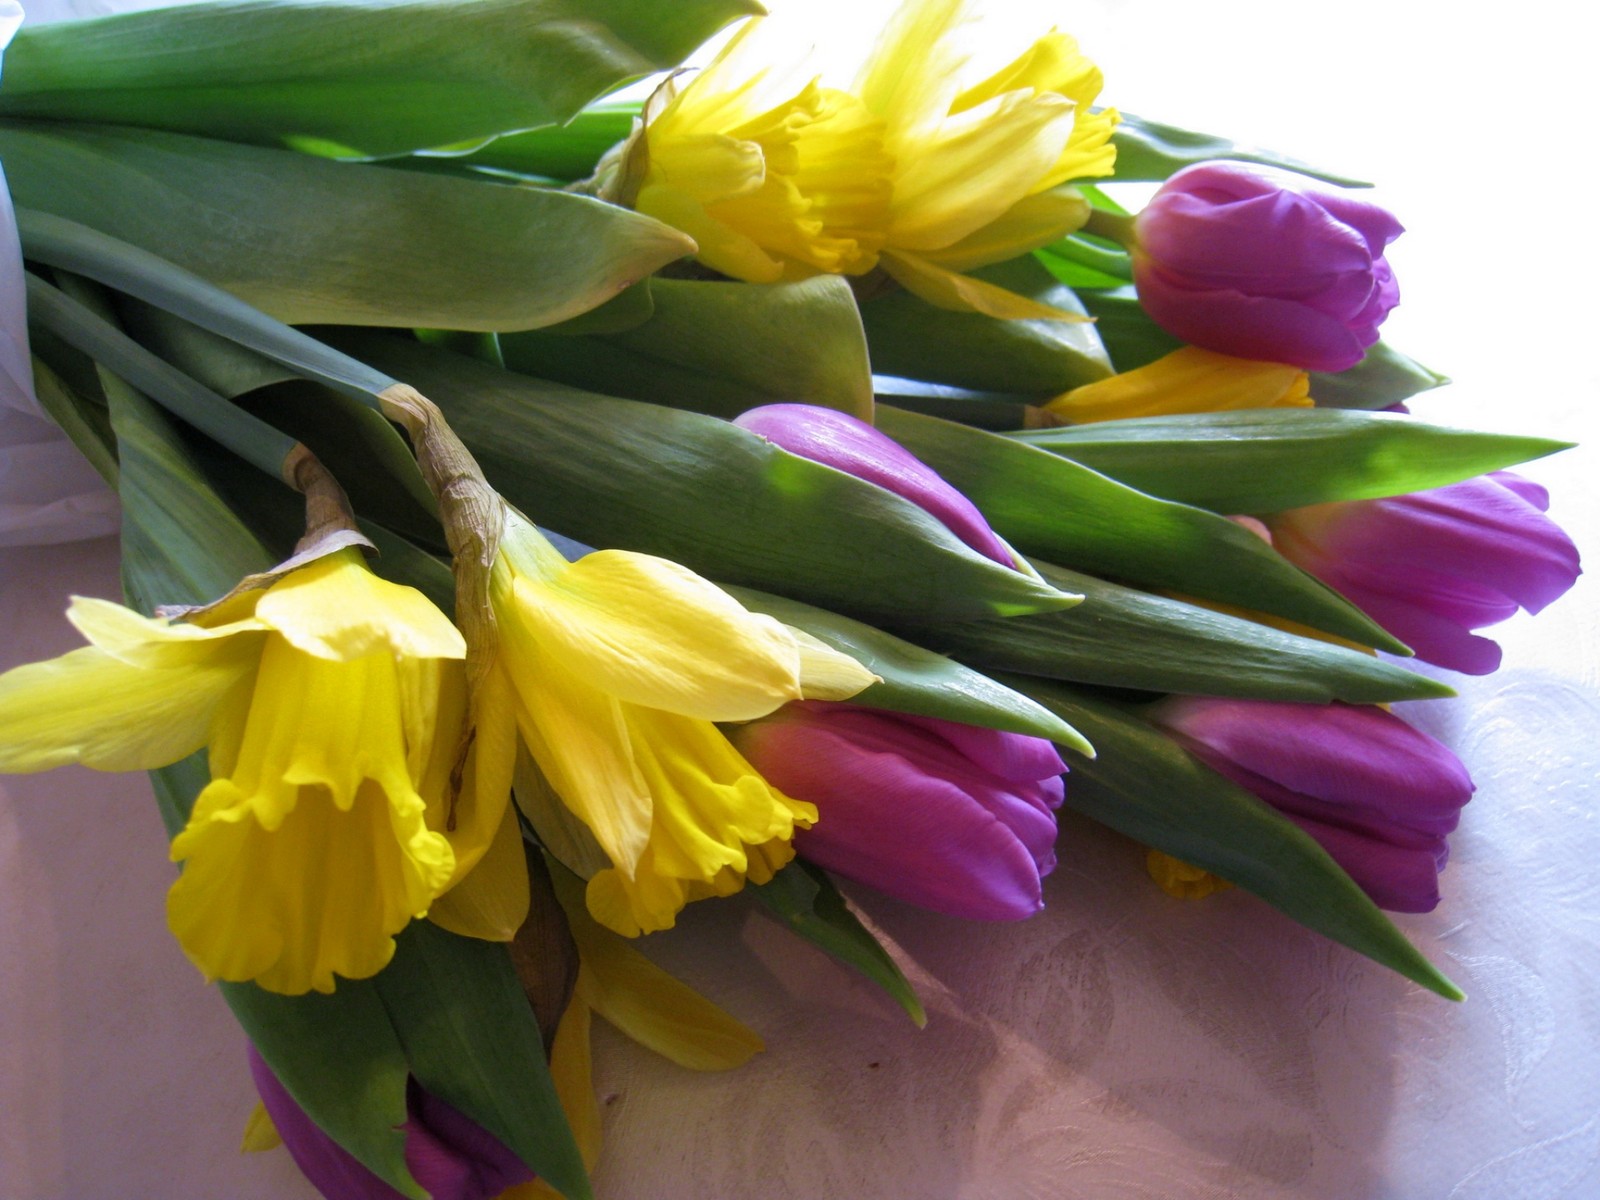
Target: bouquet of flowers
(543,511)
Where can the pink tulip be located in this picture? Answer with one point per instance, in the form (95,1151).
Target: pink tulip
(452,1157)
(1378,795)
(1433,566)
(1258,263)
(951,817)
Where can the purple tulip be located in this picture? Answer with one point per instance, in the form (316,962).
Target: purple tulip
(1433,566)
(839,440)
(950,817)
(1263,264)
(450,1156)
(1378,795)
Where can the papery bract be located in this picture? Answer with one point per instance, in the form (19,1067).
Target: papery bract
(450,1156)
(1432,566)
(1378,795)
(951,817)
(1259,263)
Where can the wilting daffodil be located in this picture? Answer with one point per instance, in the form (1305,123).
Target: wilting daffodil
(907,166)
(330,707)
(617,666)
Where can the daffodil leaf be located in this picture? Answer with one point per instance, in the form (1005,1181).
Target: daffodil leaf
(718,348)
(565,152)
(308,240)
(1265,460)
(1150,151)
(351,79)
(471,1039)
(806,901)
(1120,637)
(915,680)
(85,421)
(1082,519)
(720,500)
(1143,785)
(912,339)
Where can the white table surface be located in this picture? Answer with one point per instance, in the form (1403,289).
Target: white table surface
(1121,1044)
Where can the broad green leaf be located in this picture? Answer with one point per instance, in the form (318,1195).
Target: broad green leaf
(912,339)
(1106,259)
(83,420)
(1143,785)
(718,348)
(1123,638)
(470,1036)
(567,152)
(351,78)
(1151,151)
(1131,338)
(1080,518)
(310,240)
(805,900)
(915,680)
(714,497)
(1265,460)
(981,410)
(1384,377)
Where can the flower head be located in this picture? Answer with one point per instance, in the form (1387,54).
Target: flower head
(951,817)
(1378,795)
(325,700)
(617,666)
(1433,566)
(1259,263)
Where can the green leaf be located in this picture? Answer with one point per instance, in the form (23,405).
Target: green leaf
(1151,151)
(912,339)
(566,152)
(1094,524)
(1107,260)
(470,1036)
(1123,638)
(309,240)
(1269,459)
(1132,339)
(1143,785)
(1384,377)
(718,348)
(83,420)
(352,79)
(708,494)
(807,902)
(915,680)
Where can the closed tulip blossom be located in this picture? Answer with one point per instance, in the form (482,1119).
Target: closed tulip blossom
(1263,264)
(450,1156)
(950,817)
(1378,795)
(1433,566)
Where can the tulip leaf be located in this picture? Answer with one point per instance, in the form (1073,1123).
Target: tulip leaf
(1149,151)
(470,1036)
(806,900)
(912,339)
(310,240)
(718,348)
(351,79)
(1080,518)
(1384,377)
(915,680)
(705,493)
(1269,459)
(1131,338)
(1123,638)
(1144,785)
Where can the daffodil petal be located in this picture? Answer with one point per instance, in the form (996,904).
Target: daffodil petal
(720,247)
(1031,222)
(491,900)
(650,632)
(337,608)
(944,288)
(1189,380)
(827,674)
(909,80)
(88,707)
(259,1132)
(148,641)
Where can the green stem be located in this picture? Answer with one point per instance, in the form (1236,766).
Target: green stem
(1116,227)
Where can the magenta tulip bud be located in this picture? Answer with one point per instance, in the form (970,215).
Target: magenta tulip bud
(950,817)
(1433,566)
(839,440)
(1376,794)
(1258,263)
(451,1157)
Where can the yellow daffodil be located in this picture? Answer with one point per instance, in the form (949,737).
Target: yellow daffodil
(617,666)
(327,700)
(1189,380)
(777,176)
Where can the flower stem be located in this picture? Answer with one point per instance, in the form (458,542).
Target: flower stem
(1116,227)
